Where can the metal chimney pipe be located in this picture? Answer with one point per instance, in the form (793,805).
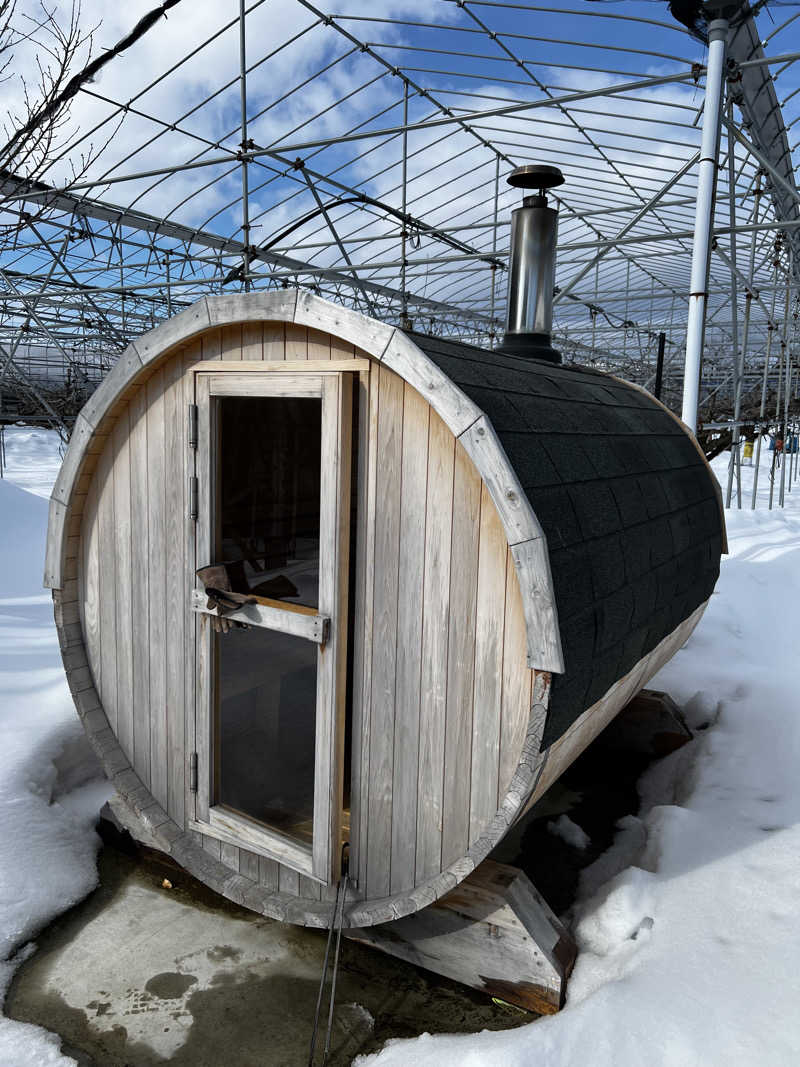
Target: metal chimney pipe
(532,266)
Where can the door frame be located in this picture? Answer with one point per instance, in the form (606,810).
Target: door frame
(327,626)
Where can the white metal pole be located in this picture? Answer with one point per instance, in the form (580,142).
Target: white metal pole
(704,218)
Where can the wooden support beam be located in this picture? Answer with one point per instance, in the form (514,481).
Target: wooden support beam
(493,932)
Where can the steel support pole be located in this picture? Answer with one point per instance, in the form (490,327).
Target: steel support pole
(245,147)
(404,320)
(704,219)
(662,339)
(493,332)
(763,408)
(733,465)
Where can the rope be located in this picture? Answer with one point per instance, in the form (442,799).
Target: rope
(337,921)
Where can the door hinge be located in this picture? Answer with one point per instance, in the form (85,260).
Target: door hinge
(193,772)
(193,498)
(193,426)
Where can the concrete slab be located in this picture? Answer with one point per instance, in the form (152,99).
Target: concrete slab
(141,974)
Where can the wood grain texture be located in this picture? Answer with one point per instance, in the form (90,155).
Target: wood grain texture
(123,583)
(140,588)
(411,557)
(384,633)
(157,569)
(435,637)
(461,657)
(175,480)
(516,683)
(107,584)
(489,649)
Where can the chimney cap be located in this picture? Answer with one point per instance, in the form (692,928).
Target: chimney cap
(535,176)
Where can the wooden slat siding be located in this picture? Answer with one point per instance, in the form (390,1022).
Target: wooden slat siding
(488,696)
(435,635)
(269,873)
(191,623)
(211,345)
(296,341)
(176,474)
(308,889)
(89,584)
(229,855)
(212,845)
(342,349)
(248,864)
(384,632)
(140,592)
(414,482)
(319,344)
(274,346)
(107,584)
(252,341)
(517,683)
(124,611)
(156,565)
(461,657)
(359,628)
(288,881)
(363,707)
(232,342)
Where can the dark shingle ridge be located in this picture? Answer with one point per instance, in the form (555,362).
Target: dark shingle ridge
(628,507)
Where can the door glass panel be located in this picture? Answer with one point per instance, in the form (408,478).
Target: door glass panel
(267,683)
(268,534)
(269,496)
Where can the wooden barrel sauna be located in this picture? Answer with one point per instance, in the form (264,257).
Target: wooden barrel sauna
(454,566)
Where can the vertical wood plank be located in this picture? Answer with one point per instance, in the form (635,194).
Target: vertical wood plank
(461,657)
(435,636)
(211,345)
(274,345)
(517,680)
(232,342)
(384,638)
(269,872)
(176,436)
(191,620)
(157,537)
(414,482)
(288,881)
(361,756)
(213,847)
(319,344)
(140,591)
(308,889)
(122,598)
(89,590)
(296,341)
(229,855)
(360,638)
(252,341)
(341,349)
(248,864)
(487,705)
(107,582)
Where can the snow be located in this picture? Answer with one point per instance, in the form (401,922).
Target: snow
(568,831)
(688,927)
(49,788)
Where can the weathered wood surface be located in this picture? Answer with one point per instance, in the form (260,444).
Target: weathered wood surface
(493,932)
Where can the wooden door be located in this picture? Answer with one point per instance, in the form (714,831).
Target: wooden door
(273,470)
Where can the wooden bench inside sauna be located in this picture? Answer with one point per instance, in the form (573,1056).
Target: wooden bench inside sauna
(454,566)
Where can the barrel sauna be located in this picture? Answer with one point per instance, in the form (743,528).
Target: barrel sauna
(454,566)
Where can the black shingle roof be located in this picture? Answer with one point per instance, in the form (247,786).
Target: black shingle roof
(628,507)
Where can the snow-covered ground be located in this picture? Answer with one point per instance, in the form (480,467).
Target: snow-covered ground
(689,928)
(49,795)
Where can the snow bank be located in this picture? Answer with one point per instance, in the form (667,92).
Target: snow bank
(688,928)
(47,840)
(33,457)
